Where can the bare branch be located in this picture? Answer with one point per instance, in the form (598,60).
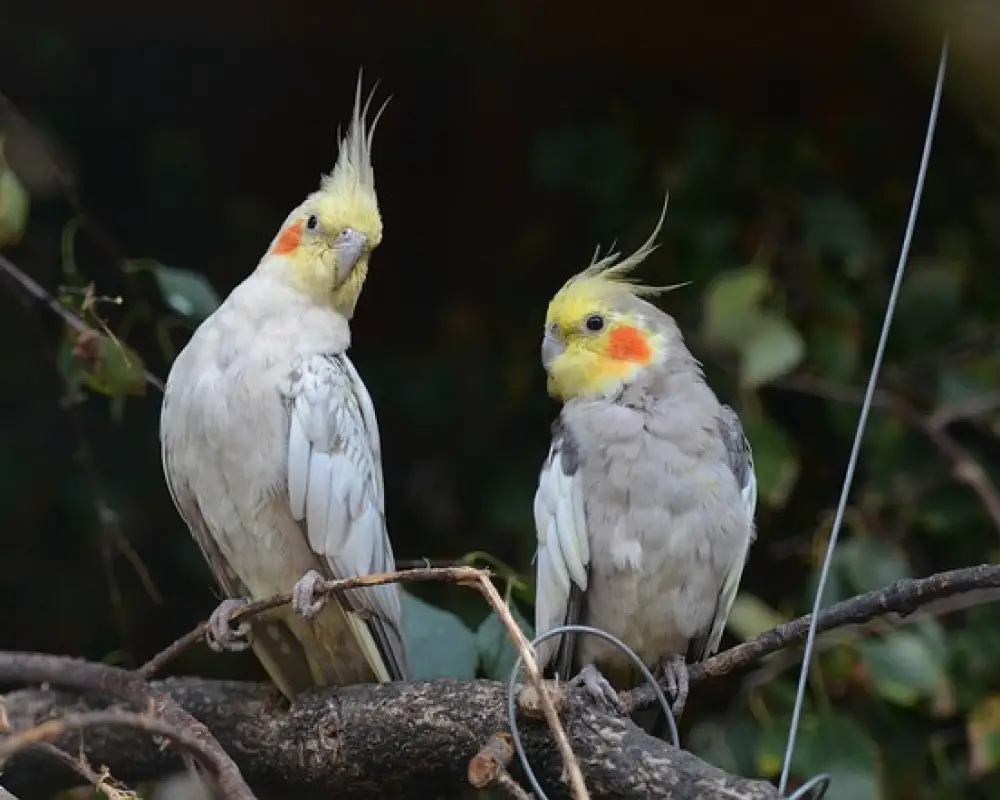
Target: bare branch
(469,576)
(399,740)
(45,298)
(489,766)
(965,466)
(901,598)
(417,739)
(82,675)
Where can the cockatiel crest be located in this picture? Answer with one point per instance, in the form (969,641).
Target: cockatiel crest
(324,245)
(596,332)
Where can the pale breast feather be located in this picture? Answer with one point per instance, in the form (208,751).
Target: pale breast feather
(335,486)
(563,558)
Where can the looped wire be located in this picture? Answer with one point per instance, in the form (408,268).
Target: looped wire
(805,790)
(585,629)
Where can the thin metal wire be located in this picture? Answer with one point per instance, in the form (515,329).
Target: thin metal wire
(863,417)
(512,695)
(822,780)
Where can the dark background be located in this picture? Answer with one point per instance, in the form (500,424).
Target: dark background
(519,135)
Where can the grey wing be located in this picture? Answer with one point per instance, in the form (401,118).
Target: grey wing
(336,492)
(563,557)
(740,460)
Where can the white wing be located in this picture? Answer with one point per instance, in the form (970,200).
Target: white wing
(740,459)
(563,557)
(336,491)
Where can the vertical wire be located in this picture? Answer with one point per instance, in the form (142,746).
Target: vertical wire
(863,417)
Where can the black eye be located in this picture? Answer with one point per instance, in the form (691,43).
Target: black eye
(594,323)
(312,222)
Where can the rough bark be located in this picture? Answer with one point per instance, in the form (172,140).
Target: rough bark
(388,740)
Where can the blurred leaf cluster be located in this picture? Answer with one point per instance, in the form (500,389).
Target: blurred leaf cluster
(789,239)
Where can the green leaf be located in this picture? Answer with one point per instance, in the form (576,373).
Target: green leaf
(830,742)
(731,304)
(769,349)
(496,652)
(776,463)
(438,643)
(929,304)
(835,227)
(113,368)
(983,726)
(903,667)
(186,292)
(869,563)
(14,206)
(751,616)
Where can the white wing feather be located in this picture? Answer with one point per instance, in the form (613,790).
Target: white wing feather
(335,489)
(563,546)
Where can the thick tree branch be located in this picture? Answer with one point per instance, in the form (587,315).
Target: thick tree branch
(81,675)
(417,739)
(412,740)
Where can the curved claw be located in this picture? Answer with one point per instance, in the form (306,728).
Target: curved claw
(674,672)
(597,686)
(223,634)
(304,598)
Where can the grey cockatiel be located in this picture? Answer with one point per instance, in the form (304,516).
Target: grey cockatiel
(645,504)
(271,448)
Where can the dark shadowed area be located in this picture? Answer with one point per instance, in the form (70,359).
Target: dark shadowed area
(151,152)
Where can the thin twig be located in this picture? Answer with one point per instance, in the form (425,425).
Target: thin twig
(489,767)
(54,728)
(903,597)
(45,298)
(79,766)
(468,576)
(155,665)
(76,674)
(523,646)
(969,408)
(966,468)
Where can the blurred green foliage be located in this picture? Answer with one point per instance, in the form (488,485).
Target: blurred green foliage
(788,231)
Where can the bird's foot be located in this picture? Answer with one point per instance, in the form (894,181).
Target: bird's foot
(305,601)
(223,633)
(673,672)
(600,691)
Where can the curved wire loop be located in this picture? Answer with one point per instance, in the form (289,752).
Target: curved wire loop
(805,790)
(515,733)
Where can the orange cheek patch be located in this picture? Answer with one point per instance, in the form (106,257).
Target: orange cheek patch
(288,241)
(628,344)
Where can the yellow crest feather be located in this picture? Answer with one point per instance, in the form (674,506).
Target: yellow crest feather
(353,170)
(610,273)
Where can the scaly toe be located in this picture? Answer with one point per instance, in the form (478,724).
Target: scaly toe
(597,686)
(304,599)
(223,634)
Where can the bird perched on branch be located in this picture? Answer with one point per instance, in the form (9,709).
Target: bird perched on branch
(645,505)
(271,448)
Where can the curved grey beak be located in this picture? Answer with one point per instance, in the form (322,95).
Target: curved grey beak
(348,246)
(552,346)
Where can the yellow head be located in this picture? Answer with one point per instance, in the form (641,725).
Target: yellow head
(324,246)
(599,333)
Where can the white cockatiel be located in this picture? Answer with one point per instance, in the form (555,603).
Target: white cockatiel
(271,448)
(645,504)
